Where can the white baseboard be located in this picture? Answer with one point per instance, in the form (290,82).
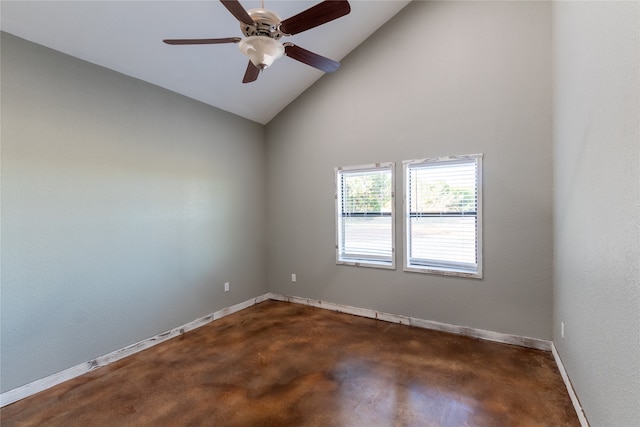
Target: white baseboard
(34,387)
(420,323)
(567,382)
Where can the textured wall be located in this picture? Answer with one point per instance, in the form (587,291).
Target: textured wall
(597,205)
(441,78)
(125,208)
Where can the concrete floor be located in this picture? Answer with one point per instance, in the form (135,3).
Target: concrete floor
(282,364)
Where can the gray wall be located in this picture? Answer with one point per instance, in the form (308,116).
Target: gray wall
(441,78)
(597,205)
(123,211)
(125,208)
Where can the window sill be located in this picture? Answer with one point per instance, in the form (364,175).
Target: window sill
(367,263)
(443,271)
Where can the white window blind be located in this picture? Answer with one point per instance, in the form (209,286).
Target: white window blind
(443,215)
(365,215)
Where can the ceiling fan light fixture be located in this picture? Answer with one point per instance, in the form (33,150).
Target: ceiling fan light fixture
(263,28)
(262,51)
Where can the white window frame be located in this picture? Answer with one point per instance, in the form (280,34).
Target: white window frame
(442,268)
(362,260)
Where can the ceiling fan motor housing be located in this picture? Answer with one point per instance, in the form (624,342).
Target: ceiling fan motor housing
(266,23)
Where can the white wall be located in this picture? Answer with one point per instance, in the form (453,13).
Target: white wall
(125,208)
(597,205)
(440,78)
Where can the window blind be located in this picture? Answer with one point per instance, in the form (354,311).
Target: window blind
(442,224)
(365,214)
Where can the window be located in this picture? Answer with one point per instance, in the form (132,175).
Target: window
(365,215)
(443,207)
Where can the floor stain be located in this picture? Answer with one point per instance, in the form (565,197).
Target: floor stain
(282,364)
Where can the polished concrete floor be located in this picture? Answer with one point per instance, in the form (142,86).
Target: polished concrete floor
(282,364)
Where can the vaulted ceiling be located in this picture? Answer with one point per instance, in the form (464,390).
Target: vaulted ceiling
(126,36)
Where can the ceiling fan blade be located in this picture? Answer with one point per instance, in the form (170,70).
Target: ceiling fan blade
(238,11)
(202,41)
(251,75)
(307,57)
(316,15)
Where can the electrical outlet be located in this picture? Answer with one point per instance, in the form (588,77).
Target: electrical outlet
(562,329)
(226,286)
(293,277)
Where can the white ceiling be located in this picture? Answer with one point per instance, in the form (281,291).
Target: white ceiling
(126,36)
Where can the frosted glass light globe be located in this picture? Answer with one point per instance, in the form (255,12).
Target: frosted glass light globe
(261,50)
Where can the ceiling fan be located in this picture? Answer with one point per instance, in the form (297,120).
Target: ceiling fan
(263,30)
